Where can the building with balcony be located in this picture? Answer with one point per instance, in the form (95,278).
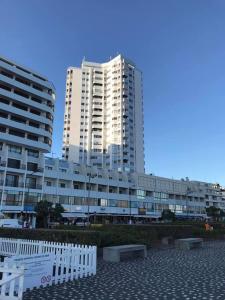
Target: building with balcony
(104,194)
(26,119)
(103,120)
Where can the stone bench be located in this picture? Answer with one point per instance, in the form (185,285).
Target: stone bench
(115,253)
(189,243)
(167,240)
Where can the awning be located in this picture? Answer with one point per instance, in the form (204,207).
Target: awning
(18,211)
(73,215)
(147,216)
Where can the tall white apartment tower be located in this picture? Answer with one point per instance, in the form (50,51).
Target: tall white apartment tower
(103,119)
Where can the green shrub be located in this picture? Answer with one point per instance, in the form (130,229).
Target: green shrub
(62,236)
(110,235)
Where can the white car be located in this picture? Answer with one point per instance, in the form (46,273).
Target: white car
(10,223)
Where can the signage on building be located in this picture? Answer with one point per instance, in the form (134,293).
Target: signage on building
(141,211)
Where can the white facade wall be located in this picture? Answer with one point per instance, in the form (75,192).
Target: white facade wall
(72,126)
(26,119)
(113,193)
(106,100)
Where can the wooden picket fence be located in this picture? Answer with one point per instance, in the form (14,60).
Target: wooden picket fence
(70,261)
(11,284)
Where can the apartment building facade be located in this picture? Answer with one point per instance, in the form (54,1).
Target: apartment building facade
(27,176)
(103,120)
(26,123)
(113,195)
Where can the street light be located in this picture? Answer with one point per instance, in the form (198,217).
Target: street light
(130,220)
(89,192)
(188,192)
(28,187)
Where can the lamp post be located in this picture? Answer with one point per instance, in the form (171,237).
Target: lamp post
(130,208)
(188,192)
(28,187)
(89,192)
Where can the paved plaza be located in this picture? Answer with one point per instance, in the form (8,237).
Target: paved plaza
(167,274)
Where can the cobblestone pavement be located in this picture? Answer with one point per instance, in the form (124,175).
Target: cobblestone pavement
(167,274)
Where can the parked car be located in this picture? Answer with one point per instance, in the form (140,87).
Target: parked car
(82,222)
(11,223)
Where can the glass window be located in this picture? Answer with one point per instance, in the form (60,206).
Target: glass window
(156,195)
(11,180)
(141,194)
(31,182)
(13,163)
(15,149)
(32,153)
(112,203)
(103,202)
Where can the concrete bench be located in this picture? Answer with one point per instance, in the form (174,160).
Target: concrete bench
(115,253)
(167,240)
(189,243)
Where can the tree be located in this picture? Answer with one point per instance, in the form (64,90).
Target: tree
(43,210)
(56,213)
(215,213)
(168,215)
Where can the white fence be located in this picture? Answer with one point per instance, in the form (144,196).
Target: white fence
(70,261)
(11,284)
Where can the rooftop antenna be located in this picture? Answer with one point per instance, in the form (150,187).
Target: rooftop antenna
(83,60)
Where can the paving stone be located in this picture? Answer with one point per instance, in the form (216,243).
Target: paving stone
(166,274)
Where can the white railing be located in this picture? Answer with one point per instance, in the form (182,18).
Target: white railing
(11,284)
(70,261)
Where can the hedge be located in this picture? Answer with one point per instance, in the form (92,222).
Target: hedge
(61,236)
(109,235)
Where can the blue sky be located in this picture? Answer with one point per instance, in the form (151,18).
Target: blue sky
(180,47)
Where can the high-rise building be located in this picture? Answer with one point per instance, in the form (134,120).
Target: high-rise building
(103,120)
(100,194)
(26,119)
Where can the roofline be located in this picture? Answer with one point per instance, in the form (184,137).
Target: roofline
(23,67)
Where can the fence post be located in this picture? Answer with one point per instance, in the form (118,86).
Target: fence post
(94,249)
(18,243)
(40,246)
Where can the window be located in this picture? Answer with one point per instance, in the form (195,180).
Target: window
(48,168)
(32,153)
(31,182)
(62,185)
(164,196)
(18,119)
(15,149)
(156,195)
(103,202)
(13,163)
(11,180)
(48,183)
(16,133)
(141,194)
(32,137)
(32,166)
